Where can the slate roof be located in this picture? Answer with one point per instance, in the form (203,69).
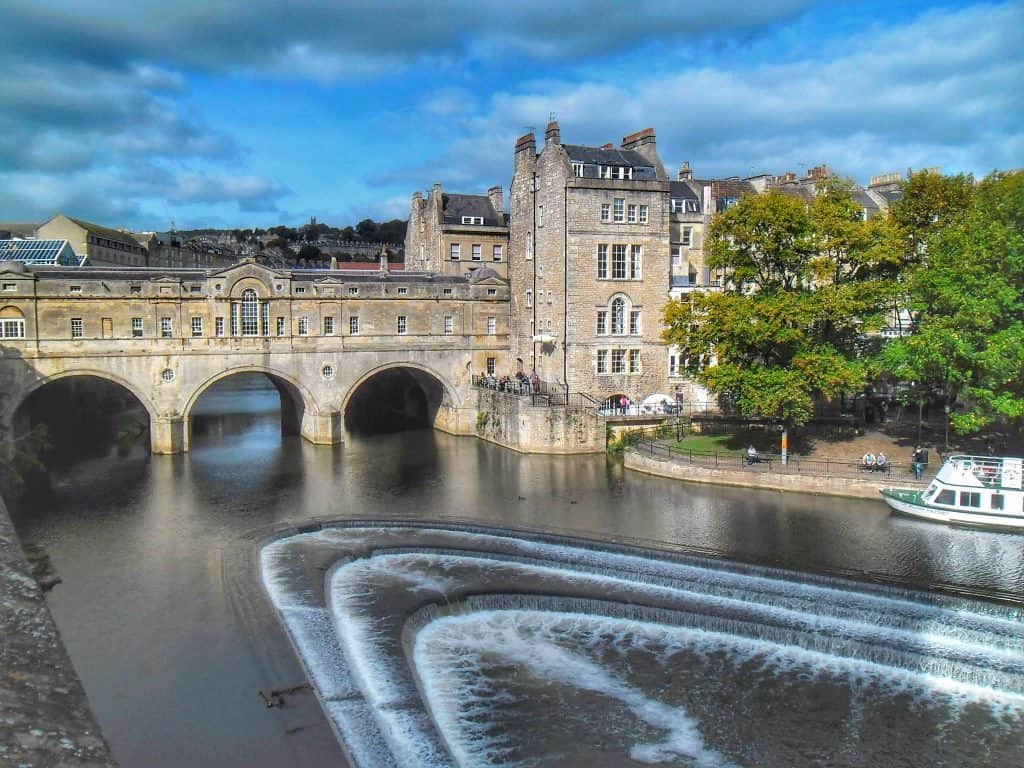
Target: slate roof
(19,228)
(680,190)
(592,157)
(110,234)
(456,206)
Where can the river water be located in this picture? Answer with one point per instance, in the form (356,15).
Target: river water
(163,612)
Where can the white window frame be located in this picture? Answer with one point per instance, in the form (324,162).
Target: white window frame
(329,326)
(166,328)
(677,256)
(606,213)
(618,361)
(492,326)
(473,220)
(676,206)
(634,361)
(477,251)
(529,246)
(618,316)
(498,253)
(402,326)
(602,322)
(353,325)
(577,170)
(446,291)
(635,326)
(138,328)
(218,326)
(636,262)
(686,237)
(540,215)
(303,326)
(449,325)
(602,261)
(632,213)
(620,261)
(281,326)
(77,328)
(197,326)
(403,291)
(602,361)
(455,252)
(529,299)
(12,328)
(619,210)
(491,365)
(645,214)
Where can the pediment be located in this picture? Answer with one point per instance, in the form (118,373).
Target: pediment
(249,268)
(329,281)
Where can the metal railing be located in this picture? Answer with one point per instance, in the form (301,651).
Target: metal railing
(768,462)
(541,393)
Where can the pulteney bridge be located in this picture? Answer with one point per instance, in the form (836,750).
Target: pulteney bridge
(327,339)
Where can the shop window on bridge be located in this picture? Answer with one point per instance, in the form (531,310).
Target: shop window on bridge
(12,323)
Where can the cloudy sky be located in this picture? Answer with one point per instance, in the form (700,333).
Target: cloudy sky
(258,112)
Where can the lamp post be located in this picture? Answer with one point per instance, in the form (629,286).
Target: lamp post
(946,409)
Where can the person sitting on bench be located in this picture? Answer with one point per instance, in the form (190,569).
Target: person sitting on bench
(881,463)
(868,461)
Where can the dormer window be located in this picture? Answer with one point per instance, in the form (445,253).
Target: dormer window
(472,219)
(577,170)
(615,172)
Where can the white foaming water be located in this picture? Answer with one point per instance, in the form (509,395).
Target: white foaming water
(449,657)
(956,648)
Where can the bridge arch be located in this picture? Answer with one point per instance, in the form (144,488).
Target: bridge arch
(299,408)
(386,394)
(71,413)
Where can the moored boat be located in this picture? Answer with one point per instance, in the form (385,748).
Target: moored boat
(968,490)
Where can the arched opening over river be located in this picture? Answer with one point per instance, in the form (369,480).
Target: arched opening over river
(395,399)
(246,404)
(79,416)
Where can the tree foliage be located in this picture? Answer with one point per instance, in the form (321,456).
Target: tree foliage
(969,293)
(801,284)
(928,202)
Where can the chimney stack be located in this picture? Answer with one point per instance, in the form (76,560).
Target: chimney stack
(685,174)
(639,139)
(553,135)
(494,194)
(526,142)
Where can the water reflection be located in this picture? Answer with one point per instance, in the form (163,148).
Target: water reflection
(168,640)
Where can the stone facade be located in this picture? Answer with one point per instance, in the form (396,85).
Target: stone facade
(101,246)
(589,245)
(514,422)
(453,234)
(167,335)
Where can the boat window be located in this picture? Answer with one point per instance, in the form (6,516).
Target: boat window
(997,501)
(970,499)
(946,497)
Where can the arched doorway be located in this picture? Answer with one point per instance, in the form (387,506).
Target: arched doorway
(395,399)
(244,404)
(74,417)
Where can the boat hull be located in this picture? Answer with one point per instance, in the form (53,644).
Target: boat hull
(910,503)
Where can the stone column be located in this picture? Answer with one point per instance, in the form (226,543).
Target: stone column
(322,427)
(167,435)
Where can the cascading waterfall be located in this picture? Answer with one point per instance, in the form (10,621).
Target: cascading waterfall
(434,646)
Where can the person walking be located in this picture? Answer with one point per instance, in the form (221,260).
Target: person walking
(917,458)
(751,455)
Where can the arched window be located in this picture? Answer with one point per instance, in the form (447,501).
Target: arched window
(618,316)
(12,323)
(250,313)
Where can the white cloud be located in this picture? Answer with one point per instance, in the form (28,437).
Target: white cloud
(944,89)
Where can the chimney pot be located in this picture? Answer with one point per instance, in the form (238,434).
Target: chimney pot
(553,135)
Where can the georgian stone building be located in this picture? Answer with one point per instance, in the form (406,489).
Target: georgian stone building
(453,234)
(589,263)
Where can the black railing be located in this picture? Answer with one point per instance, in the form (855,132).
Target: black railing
(765,462)
(541,393)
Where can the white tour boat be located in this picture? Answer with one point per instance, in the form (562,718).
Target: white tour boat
(968,490)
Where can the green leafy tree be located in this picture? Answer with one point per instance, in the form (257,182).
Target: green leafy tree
(929,202)
(801,286)
(969,293)
(308,252)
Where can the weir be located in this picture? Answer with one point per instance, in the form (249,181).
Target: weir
(432,646)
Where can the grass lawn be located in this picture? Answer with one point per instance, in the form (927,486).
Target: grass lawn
(766,441)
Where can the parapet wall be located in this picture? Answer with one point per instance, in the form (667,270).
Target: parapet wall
(512,421)
(44,714)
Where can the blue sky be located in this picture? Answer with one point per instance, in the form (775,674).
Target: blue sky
(235,113)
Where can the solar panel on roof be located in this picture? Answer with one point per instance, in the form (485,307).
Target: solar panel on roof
(38,252)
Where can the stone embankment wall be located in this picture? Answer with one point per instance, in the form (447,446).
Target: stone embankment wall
(44,715)
(513,422)
(772,481)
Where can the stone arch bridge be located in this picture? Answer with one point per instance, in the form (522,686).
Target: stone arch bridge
(326,339)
